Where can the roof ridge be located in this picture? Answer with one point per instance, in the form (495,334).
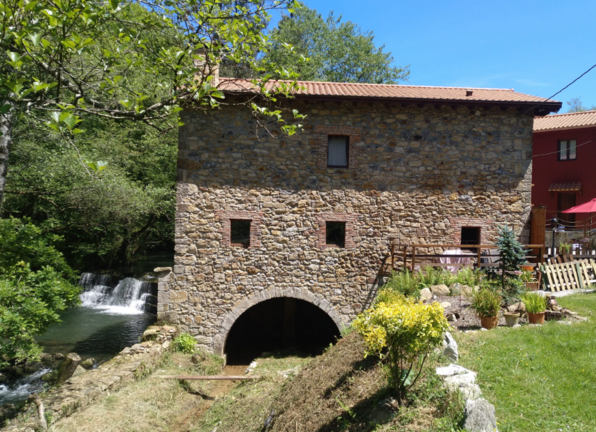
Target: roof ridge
(383,84)
(569,114)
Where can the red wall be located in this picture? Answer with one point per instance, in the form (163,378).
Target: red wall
(548,169)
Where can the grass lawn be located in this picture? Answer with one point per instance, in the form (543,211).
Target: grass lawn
(539,378)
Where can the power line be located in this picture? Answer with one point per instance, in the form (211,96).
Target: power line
(564,88)
(559,151)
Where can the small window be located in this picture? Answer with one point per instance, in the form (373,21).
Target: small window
(470,236)
(567,150)
(336,234)
(337,151)
(240,232)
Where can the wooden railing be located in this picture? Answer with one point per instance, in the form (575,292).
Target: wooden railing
(410,256)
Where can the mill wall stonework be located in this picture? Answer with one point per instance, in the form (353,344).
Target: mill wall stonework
(416,174)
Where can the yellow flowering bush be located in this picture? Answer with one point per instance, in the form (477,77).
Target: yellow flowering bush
(408,330)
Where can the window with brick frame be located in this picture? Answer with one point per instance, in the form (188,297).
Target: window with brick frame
(335,234)
(567,150)
(338,151)
(240,228)
(240,232)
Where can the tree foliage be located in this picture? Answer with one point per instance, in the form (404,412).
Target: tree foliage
(337,51)
(32,292)
(576,105)
(110,214)
(61,61)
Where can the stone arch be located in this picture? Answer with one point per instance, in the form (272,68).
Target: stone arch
(220,340)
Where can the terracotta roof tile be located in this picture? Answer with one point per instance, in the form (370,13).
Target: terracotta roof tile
(565,187)
(400,92)
(565,121)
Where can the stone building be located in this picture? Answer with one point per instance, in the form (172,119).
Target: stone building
(267,219)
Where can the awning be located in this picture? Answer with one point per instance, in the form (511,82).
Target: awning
(565,187)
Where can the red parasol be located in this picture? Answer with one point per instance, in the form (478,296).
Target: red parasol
(589,207)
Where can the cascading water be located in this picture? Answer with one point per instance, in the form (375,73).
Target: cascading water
(112,316)
(19,389)
(127,297)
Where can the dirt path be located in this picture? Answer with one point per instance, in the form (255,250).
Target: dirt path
(184,422)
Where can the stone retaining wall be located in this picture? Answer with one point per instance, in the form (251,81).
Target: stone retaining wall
(80,391)
(417,174)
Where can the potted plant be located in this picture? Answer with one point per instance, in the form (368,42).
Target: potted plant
(487,302)
(528,278)
(535,306)
(527,267)
(511,318)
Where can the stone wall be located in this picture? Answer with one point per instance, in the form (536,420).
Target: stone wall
(81,391)
(417,174)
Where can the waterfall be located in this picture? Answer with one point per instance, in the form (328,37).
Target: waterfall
(127,296)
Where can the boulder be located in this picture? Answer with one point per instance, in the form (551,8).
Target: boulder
(89,363)
(78,371)
(468,291)
(480,416)
(445,305)
(58,356)
(68,367)
(517,307)
(440,290)
(425,294)
(450,347)
(470,391)
(46,359)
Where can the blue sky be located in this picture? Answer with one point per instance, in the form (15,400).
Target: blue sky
(535,47)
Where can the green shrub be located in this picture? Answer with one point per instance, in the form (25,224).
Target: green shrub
(468,276)
(486,302)
(429,276)
(185,343)
(408,330)
(534,302)
(404,282)
(36,284)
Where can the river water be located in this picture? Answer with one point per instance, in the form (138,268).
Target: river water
(111,317)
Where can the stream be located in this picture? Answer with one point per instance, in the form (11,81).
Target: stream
(113,315)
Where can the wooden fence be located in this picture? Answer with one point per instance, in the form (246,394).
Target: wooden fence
(416,256)
(568,275)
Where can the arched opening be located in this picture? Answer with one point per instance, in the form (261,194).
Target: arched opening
(276,325)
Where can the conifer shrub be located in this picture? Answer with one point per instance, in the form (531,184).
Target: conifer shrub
(506,275)
(402,331)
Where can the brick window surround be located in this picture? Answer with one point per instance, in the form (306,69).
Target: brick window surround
(458,223)
(354,137)
(322,220)
(256,219)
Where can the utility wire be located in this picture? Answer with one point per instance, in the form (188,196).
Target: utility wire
(564,88)
(559,151)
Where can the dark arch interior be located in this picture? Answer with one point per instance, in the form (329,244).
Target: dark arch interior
(278,325)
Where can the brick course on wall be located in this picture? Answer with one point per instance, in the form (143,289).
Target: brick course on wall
(419,173)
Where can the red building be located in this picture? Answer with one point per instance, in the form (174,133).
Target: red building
(564,164)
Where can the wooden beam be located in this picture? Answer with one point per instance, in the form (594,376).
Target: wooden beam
(210,377)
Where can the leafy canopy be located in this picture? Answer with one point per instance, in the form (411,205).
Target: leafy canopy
(31,294)
(337,51)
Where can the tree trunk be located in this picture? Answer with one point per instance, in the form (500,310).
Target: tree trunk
(6,124)
(68,367)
